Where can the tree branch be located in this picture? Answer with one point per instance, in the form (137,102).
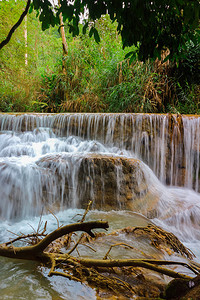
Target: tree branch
(87,227)
(35,251)
(130,262)
(12,30)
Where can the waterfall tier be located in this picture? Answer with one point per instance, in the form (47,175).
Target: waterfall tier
(168,144)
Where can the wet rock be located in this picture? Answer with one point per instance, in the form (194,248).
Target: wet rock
(180,289)
(112,182)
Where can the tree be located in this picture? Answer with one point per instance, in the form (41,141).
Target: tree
(153,24)
(20,83)
(62,31)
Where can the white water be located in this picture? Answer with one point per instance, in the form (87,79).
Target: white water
(40,161)
(169,144)
(36,166)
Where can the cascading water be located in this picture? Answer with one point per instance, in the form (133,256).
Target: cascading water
(136,162)
(168,144)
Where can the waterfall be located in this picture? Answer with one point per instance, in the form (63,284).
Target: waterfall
(168,144)
(65,160)
(125,163)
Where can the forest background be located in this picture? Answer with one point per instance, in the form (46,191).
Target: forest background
(92,77)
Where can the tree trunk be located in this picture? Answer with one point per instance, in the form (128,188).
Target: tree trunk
(64,41)
(26,42)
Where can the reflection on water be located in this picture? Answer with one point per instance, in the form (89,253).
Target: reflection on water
(25,280)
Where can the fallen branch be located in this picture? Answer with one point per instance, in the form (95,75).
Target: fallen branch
(86,211)
(157,236)
(116,245)
(131,262)
(77,243)
(89,270)
(35,252)
(33,237)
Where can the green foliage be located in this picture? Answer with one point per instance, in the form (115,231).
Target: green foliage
(125,97)
(155,25)
(93,77)
(187,78)
(91,69)
(97,78)
(188,70)
(188,100)
(20,82)
(139,90)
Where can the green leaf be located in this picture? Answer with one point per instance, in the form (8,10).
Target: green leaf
(41,17)
(85,28)
(131,59)
(96,36)
(31,8)
(166,58)
(36,4)
(91,32)
(71,28)
(67,11)
(128,54)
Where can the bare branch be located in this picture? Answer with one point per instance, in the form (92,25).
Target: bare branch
(131,262)
(23,237)
(87,227)
(115,245)
(86,211)
(54,217)
(63,274)
(35,251)
(75,246)
(7,39)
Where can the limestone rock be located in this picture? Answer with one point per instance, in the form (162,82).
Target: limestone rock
(112,182)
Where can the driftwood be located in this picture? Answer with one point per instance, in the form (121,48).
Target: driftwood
(36,252)
(92,271)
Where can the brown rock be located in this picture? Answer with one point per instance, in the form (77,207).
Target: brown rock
(112,182)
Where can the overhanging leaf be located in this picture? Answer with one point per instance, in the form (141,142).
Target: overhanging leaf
(91,32)
(96,36)
(85,28)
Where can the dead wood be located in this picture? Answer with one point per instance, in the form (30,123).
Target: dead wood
(158,236)
(131,262)
(96,272)
(35,252)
